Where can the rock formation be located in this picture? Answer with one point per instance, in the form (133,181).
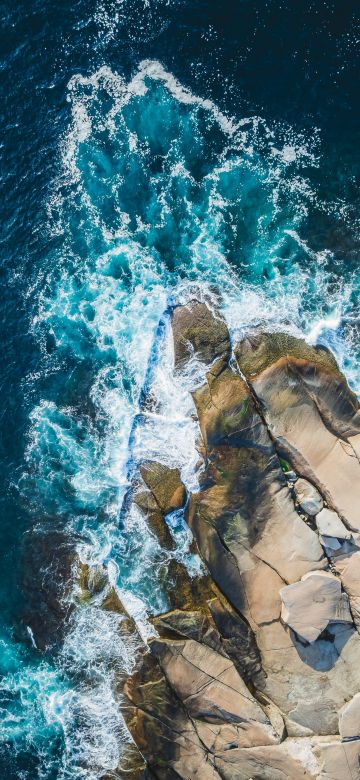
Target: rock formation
(254,672)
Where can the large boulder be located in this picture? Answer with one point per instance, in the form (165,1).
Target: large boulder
(309,605)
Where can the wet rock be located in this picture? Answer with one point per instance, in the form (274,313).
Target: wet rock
(193,624)
(92,580)
(165,484)
(198,332)
(185,592)
(309,605)
(308,498)
(48,565)
(146,502)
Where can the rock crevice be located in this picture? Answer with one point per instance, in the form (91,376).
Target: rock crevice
(254,671)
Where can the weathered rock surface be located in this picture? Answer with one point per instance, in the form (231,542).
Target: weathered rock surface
(254,672)
(329,524)
(199,332)
(311,414)
(309,605)
(165,485)
(308,498)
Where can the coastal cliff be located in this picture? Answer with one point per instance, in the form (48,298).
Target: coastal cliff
(254,672)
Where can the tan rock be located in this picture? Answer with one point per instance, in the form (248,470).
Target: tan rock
(349,719)
(308,497)
(189,710)
(309,605)
(292,760)
(328,523)
(340,760)
(311,413)
(310,683)
(213,692)
(349,570)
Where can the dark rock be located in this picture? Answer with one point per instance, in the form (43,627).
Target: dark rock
(49,559)
(165,484)
(197,331)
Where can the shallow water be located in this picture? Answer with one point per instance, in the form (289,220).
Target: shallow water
(153,151)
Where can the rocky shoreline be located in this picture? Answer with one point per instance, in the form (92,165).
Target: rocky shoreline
(254,672)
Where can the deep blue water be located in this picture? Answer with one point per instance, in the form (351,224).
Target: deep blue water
(149,150)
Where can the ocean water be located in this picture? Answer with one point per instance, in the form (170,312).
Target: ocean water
(152,150)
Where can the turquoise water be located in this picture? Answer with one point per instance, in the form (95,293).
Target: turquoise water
(155,194)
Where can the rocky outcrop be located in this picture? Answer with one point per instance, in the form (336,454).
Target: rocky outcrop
(254,671)
(311,414)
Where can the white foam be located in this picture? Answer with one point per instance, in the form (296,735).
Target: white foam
(331,322)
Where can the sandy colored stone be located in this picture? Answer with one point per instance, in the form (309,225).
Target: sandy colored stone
(212,691)
(311,413)
(189,708)
(339,760)
(309,605)
(349,719)
(292,760)
(349,570)
(328,523)
(308,497)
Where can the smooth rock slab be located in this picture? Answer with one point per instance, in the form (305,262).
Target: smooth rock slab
(310,604)
(349,719)
(340,760)
(213,693)
(328,523)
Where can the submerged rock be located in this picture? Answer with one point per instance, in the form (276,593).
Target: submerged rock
(49,558)
(349,719)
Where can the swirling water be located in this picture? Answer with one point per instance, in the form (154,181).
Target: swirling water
(134,183)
